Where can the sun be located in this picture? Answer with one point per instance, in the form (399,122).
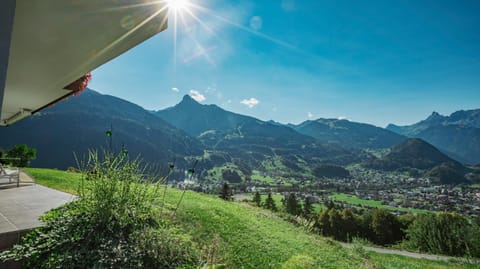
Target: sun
(177,5)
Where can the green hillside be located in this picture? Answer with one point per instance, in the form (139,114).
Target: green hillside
(250,237)
(349,134)
(418,154)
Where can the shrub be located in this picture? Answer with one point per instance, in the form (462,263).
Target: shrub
(445,233)
(110,225)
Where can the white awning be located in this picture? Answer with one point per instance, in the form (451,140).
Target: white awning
(55,42)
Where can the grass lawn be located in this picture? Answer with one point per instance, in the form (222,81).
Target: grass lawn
(354,200)
(251,237)
(56,179)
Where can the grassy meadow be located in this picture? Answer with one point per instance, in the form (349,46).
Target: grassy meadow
(354,200)
(242,236)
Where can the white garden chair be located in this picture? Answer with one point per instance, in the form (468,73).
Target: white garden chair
(9,175)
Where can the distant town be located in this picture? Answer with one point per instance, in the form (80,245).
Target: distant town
(365,189)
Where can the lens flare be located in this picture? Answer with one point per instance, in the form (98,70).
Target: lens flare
(177,5)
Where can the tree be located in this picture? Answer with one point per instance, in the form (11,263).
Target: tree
(293,206)
(23,153)
(406,220)
(257,199)
(349,225)
(335,220)
(444,233)
(270,203)
(364,221)
(307,208)
(323,223)
(386,227)
(226,193)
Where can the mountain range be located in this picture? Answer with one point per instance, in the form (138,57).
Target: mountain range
(221,144)
(349,134)
(80,123)
(458,135)
(418,157)
(243,141)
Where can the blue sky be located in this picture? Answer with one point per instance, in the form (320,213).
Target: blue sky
(370,61)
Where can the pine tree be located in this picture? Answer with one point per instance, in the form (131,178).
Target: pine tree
(226,193)
(293,206)
(270,203)
(257,199)
(307,208)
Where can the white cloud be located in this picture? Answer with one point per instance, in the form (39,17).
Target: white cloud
(197,96)
(342,118)
(175,89)
(309,115)
(250,102)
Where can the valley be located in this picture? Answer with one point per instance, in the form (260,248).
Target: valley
(316,159)
(335,178)
(239,134)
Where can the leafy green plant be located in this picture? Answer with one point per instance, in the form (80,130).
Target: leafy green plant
(112,224)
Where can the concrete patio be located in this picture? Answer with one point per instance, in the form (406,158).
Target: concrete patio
(21,207)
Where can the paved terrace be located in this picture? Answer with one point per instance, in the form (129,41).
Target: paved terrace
(21,207)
